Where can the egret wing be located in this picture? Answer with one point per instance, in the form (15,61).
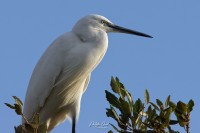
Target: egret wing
(45,75)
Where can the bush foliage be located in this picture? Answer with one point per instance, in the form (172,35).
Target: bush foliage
(30,126)
(145,117)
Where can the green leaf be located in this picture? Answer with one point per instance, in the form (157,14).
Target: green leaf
(123,122)
(109,112)
(159,103)
(128,95)
(137,107)
(180,112)
(122,93)
(18,109)
(155,106)
(147,98)
(190,106)
(149,109)
(125,107)
(119,83)
(167,101)
(112,113)
(152,115)
(173,122)
(121,88)
(181,123)
(181,118)
(114,86)
(181,107)
(115,114)
(173,105)
(167,115)
(9,105)
(18,101)
(112,99)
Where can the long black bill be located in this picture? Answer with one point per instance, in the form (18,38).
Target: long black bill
(128,31)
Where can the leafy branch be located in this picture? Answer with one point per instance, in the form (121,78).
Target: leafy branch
(30,126)
(145,117)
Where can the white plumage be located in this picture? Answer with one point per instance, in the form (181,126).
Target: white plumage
(63,72)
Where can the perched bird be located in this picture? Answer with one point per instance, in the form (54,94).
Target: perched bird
(62,74)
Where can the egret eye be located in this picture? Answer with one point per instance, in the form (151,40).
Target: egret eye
(103,22)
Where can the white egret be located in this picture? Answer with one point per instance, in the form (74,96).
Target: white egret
(63,72)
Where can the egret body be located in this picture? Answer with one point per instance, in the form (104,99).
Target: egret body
(62,74)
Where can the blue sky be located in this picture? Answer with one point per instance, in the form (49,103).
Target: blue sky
(167,64)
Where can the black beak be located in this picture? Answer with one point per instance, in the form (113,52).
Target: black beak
(117,28)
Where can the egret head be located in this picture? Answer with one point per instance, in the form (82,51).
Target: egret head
(98,22)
